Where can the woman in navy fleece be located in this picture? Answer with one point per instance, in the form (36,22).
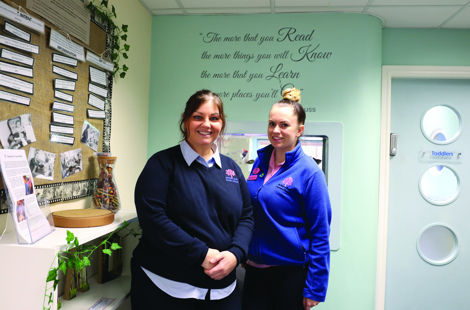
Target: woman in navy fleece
(288,259)
(194,208)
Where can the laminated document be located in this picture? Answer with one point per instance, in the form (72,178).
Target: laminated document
(31,222)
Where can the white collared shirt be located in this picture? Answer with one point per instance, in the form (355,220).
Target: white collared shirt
(184,290)
(191,155)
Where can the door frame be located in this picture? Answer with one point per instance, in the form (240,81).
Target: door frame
(388,73)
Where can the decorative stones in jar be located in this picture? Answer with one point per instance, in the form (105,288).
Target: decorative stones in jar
(106,195)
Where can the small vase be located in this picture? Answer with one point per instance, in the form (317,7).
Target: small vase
(106,195)
(82,280)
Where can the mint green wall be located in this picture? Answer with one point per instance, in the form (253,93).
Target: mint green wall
(344,88)
(426,47)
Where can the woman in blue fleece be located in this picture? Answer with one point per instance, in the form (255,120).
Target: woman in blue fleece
(194,208)
(288,259)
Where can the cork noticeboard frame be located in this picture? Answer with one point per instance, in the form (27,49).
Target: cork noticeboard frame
(41,101)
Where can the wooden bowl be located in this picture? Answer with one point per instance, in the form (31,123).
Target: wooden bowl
(82,218)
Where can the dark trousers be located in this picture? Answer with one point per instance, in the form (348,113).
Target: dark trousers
(145,295)
(274,288)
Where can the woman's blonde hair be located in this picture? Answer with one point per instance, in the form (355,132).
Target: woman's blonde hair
(291,97)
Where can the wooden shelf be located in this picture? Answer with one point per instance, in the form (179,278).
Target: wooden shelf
(56,239)
(26,266)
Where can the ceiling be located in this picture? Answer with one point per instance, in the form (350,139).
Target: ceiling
(433,14)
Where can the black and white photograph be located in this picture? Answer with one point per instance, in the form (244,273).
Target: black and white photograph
(71,162)
(90,136)
(48,193)
(17,132)
(80,189)
(52,193)
(39,194)
(3,202)
(85,188)
(41,163)
(91,186)
(58,192)
(68,193)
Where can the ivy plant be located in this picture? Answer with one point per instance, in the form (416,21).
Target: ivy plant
(120,48)
(77,257)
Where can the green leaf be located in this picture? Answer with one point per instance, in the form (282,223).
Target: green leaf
(107,251)
(75,241)
(56,282)
(104,2)
(115,56)
(70,237)
(86,261)
(124,37)
(51,275)
(113,10)
(125,68)
(127,47)
(115,246)
(124,28)
(122,75)
(63,266)
(50,298)
(125,55)
(99,13)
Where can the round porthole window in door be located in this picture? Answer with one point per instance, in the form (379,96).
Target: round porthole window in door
(438,244)
(439,185)
(441,124)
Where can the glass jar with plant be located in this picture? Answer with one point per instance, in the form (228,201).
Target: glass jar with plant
(77,257)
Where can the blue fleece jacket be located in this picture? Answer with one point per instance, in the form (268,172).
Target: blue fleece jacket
(184,210)
(292,217)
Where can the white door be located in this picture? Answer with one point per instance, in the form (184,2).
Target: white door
(428,235)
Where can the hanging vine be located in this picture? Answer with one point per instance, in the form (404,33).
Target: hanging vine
(120,47)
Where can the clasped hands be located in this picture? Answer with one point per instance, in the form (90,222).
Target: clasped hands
(218,265)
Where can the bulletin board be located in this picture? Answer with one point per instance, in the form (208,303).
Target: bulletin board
(41,116)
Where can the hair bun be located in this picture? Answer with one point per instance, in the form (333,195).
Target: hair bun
(291,94)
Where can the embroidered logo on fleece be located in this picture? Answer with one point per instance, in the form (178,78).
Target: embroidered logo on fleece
(254,176)
(286,184)
(230,176)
